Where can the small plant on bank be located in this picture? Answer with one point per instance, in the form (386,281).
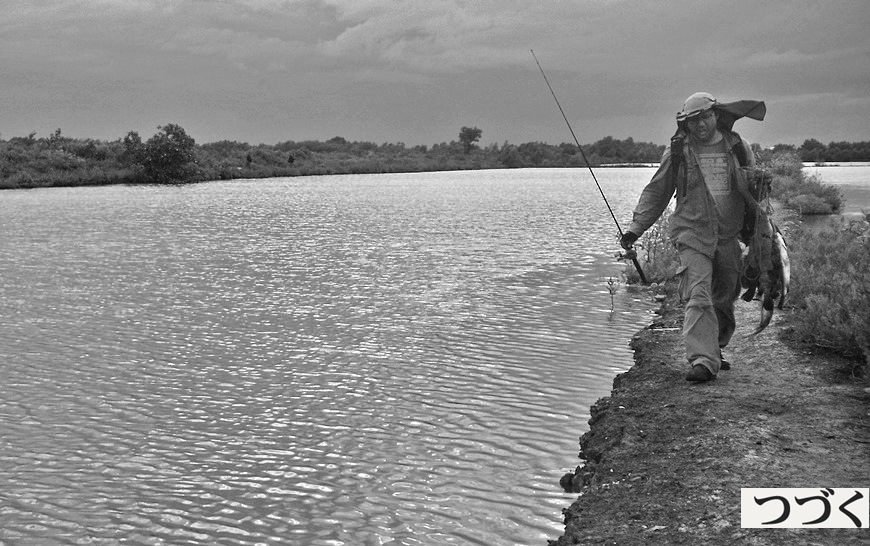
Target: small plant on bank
(612,288)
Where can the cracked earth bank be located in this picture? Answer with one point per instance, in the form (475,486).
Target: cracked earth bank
(666,459)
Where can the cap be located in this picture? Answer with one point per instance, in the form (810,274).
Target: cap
(695,104)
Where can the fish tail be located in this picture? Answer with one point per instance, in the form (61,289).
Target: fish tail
(766,314)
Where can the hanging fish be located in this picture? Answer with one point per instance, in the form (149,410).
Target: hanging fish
(785,265)
(766,269)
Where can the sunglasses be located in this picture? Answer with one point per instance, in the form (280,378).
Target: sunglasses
(702,116)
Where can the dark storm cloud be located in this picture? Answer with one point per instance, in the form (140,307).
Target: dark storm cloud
(416,71)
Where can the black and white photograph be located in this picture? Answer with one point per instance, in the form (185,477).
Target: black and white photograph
(434,273)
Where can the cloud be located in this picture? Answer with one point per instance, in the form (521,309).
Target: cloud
(411,69)
(433,36)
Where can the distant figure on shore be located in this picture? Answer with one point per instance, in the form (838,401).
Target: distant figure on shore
(702,166)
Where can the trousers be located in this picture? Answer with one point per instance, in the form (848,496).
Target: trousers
(709,288)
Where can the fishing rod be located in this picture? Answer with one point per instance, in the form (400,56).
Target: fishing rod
(631,254)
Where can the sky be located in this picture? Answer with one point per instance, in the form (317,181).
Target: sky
(417,71)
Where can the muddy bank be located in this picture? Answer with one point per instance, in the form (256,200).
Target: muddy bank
(665,458)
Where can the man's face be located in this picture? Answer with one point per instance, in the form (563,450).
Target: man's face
(703,126)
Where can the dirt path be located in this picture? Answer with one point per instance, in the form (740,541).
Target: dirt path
(666,458)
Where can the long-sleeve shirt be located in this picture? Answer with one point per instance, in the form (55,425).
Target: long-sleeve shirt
(701,217)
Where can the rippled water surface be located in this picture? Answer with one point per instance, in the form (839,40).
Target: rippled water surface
(389,359)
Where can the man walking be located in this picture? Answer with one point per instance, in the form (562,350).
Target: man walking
(703,167)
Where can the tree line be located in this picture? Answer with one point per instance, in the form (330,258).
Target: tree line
(815,152)
(171,156)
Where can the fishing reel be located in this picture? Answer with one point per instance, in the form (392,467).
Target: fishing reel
(627,255)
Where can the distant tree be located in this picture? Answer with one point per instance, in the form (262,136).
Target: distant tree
(812,150)
(812,144)
(568,149)
(89,149)
(55,141)
(612,150)
(169,156)
(134,150)
(510,157)
(25,142)
(539,154)
(468,136)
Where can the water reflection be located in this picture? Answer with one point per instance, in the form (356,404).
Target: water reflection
(405,358)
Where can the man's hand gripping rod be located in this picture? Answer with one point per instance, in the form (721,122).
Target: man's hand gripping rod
(631,254)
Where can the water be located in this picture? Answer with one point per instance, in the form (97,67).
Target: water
(853,179)
(388,359)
